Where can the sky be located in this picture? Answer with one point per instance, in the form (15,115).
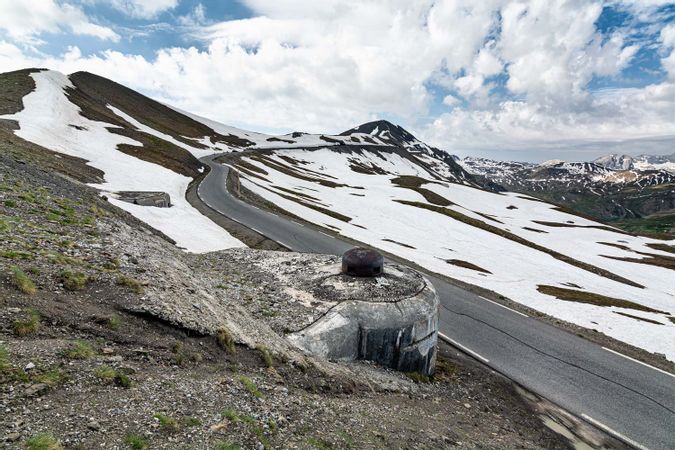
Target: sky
(520,80)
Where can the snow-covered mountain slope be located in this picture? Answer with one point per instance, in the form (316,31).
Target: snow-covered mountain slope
(50,119)
(530,251)
(441,163)
(655,162)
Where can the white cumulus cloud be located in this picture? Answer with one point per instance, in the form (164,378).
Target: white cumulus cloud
(24,21)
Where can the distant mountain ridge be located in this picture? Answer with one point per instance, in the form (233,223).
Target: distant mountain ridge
(609,188)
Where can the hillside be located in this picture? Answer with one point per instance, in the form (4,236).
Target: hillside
(112,336)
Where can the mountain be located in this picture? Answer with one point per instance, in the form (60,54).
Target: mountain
(442,164)
(656,162)
(376,184)
(615,162)
(643,199)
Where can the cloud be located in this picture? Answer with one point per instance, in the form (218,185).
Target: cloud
(145,9)
(195,18)
(504,74)
(24,22)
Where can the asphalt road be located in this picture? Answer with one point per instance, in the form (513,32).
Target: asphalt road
(632,401)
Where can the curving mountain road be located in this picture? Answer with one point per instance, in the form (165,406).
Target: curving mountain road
(630,400)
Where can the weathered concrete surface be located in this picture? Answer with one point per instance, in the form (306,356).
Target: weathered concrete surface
(391,320)
(303,297)
(159,199)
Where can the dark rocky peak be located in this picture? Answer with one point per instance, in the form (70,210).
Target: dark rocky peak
(385,131)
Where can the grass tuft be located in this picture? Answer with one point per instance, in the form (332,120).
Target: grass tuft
(136,442)
(43,441)
(265,354)
(166,423)
(114,322)
(225,339)
(22,281)
(418,377)
(52,377)
(131,283)
(5,365)
(74,281)
(26,327)
(106,373)
(251,387)
(79,350)
(231,415)
(191,422)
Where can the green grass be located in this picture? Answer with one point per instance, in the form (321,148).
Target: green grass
(5,364)
(256,429)
(43,441)
(10,203)
(16,254)
(225,339)
(136,442)
(112,264)
(63,260)
(591,298)
(231,415)
(79,350)
(657,226)
(191,422)
(23,281)
(52,377)
(106,373)
(114,322)
(123,380)
(167,423)
(418,377)
(251,387)
(26,327)
(131,283)
(265,355)
(74,281)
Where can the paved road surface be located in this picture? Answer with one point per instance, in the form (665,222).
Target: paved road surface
(632,401)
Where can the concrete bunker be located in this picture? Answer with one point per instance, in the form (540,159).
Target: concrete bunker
(366,310)
(158,199)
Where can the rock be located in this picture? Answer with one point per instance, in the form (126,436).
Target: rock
(467,405)
(93,425)
(13,437)
(29,366)
(36,389)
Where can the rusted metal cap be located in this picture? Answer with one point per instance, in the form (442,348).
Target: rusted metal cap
(362,262)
